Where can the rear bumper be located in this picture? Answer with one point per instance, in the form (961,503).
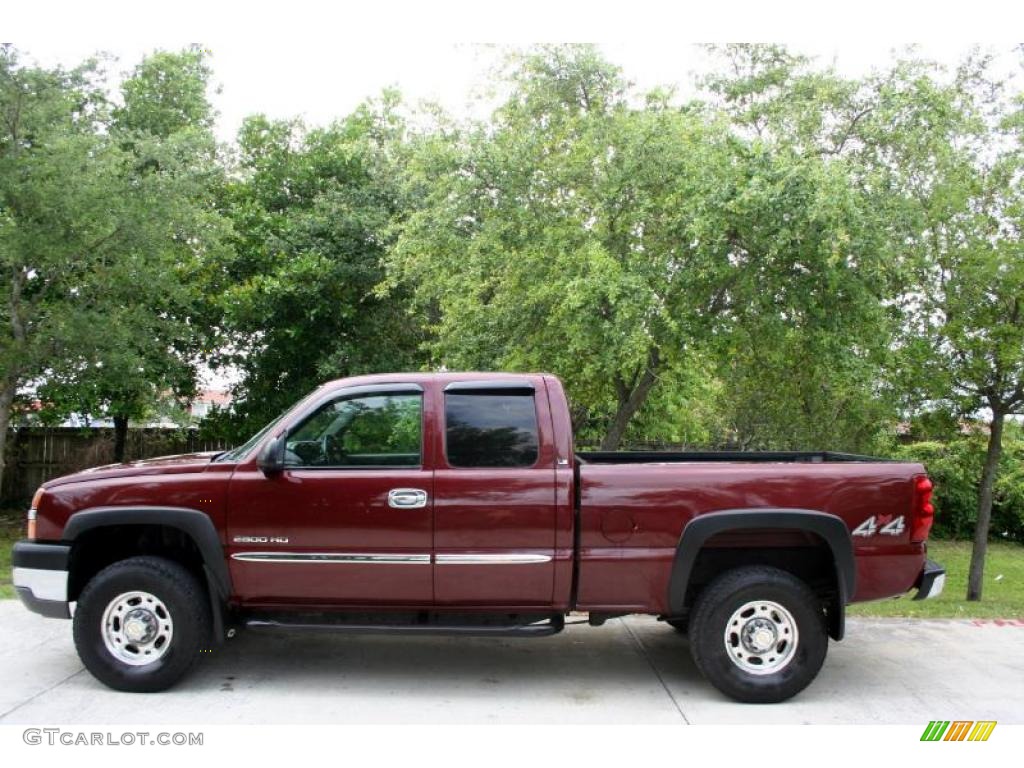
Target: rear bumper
(40,577)
(931,581)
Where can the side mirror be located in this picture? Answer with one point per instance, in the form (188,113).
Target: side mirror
(271,458)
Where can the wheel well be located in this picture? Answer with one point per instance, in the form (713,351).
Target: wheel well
(803,554)
(811,562)
(96,548)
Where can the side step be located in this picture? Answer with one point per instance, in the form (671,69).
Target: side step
(422,623)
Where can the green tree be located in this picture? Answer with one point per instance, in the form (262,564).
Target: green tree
(966,319)
(572,233)
(168,235)
(944,151)
(614,238)
(60,230)
(805,362)
(937,157)
(313,211)
(166,94)
(803,354)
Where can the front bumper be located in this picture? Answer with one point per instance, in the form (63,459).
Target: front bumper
(931,581)
(40,577)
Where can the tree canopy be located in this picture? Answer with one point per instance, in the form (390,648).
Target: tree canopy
(614,239)
(312,213)
(99,228)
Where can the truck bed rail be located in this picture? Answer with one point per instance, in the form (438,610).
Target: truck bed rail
(790,457)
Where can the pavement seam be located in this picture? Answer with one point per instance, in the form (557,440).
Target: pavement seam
(657,672)
(32,698)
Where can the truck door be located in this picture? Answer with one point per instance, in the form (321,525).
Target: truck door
(494,500)
(348,521)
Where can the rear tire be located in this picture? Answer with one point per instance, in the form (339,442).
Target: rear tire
(758,634)
(140,624)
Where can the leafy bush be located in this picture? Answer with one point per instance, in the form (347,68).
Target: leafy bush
(955,468)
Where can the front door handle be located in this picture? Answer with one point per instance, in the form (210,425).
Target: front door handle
(407,498)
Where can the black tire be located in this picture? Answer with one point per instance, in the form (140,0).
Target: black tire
(713,611)
(185,600)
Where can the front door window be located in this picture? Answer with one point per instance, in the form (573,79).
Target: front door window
(374,431)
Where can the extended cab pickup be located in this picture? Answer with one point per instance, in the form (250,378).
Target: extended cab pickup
(454,503)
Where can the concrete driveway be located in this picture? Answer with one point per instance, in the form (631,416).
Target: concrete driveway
(887,671)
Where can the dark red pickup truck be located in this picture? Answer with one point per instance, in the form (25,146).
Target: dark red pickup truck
(455,503)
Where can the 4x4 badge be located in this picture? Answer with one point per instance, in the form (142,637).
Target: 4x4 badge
(870,527)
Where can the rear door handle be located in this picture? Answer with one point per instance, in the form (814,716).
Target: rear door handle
(407,498)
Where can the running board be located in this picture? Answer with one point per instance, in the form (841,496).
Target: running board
(551,626)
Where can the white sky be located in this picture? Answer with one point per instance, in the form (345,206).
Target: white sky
(306,59)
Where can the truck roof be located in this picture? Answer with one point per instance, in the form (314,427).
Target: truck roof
(425,377)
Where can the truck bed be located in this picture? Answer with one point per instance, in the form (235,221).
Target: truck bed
(634,506)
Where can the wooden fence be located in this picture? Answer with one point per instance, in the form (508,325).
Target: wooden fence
(37,454)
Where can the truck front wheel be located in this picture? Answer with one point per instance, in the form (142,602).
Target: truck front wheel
(758,634)
(140,623)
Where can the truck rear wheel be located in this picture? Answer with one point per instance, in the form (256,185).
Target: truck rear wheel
(758,634)
(140,623)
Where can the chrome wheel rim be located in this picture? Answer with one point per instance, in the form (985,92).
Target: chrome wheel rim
(761,637)
(137,628)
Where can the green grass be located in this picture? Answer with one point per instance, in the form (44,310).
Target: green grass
(1002,598)
(12,528)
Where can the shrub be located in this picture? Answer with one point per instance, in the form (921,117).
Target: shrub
(955,468)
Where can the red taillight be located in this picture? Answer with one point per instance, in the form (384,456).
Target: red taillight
(923,513)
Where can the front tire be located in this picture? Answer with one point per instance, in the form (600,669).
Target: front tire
(140,624)
(758,634)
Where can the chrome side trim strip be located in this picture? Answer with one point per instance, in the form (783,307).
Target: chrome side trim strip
(493,558)
(329,557)
(484,558)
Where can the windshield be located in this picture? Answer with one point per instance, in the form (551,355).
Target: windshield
(236,454)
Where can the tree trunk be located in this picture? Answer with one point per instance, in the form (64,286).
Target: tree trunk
(630,401)
(976,575)
(120,437)
(7,391)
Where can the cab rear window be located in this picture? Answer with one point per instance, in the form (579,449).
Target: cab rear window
(490,430)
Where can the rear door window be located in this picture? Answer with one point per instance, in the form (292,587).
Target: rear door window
(490,430)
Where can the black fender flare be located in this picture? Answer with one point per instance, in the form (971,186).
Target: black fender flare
(194,523)
(830,528)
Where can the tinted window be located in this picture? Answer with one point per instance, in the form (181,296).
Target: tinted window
(490,430)
(372,431)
